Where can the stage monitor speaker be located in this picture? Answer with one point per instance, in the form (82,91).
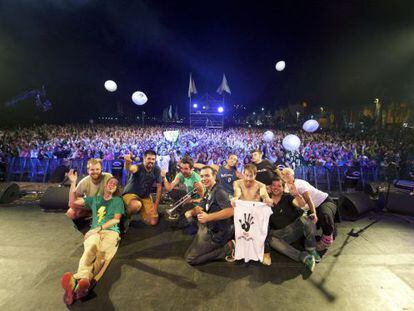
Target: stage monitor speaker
(399,202)
(353,205)
(9,192)
(55,199)
(372,188)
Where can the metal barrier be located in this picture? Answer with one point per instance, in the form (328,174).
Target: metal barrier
(333,179)
(40,170)
(323,178)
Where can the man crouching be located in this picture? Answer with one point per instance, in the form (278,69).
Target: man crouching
(288,224)
(212,241)
(100,242)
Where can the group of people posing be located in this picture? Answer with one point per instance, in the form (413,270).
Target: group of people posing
(210,197)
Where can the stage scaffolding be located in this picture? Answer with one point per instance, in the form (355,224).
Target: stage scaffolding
(204,113)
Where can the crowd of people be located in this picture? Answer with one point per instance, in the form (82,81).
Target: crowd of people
(325,148)
(243,201)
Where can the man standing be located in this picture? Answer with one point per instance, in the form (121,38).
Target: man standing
(226,174)
(101,241)
(90,186)
(321,206)
(213,239)
(137,192)
(288,223)
(265,168)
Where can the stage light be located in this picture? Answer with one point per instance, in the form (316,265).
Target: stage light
(195,106)
(220,109)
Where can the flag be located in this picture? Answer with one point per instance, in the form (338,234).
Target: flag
(170,112)
(191,87)
(224,86)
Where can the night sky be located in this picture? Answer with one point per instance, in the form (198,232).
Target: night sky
(337,52)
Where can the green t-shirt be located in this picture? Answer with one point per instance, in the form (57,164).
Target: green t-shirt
(102,210)
(189,182)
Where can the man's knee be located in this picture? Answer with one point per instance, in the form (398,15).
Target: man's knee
(134,207)
(72,214)
(309,227)
(153,221)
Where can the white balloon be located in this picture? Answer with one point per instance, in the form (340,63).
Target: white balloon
(139,98)
(268,136)
(310,126)
(280,65)
(110,86)
(291,142)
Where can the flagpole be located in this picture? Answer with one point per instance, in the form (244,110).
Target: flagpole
(189,111)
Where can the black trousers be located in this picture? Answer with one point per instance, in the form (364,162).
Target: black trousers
(204,249)
(326,216)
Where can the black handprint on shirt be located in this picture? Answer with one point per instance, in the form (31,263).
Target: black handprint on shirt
(247,222)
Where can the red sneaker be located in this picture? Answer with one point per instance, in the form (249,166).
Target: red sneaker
(68,283)
(82,289)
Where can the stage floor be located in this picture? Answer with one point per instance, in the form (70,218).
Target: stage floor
(372,271)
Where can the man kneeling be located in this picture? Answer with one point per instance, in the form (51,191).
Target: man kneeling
(212,241)
(100,242)
(288,224)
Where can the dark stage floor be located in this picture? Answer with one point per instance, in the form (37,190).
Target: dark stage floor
(372,271)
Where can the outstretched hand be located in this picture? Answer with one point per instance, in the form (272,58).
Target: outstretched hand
(72,176)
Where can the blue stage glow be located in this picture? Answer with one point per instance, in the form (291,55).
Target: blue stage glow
(220,109)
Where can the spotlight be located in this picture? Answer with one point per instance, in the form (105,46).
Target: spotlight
(220,109)
(195,106)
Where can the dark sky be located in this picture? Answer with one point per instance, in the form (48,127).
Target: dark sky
(337,52)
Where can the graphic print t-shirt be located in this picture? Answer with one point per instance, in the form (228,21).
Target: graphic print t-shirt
(103,210)
(251,222)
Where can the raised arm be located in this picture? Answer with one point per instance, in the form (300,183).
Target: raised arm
(298,200)
(74,200)
(128,166)
(169,186)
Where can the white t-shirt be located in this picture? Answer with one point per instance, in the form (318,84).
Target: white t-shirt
(251,222)
(317,196)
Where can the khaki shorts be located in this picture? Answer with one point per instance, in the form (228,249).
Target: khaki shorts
(146,208)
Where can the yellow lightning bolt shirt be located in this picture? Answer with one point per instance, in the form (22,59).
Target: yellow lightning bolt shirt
(103,210)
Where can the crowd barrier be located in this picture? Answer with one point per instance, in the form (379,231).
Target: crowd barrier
(41,170)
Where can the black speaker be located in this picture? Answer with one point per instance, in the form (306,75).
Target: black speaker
(399,202)
(353,205)
(9,192)
(55,199)
(372,189)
